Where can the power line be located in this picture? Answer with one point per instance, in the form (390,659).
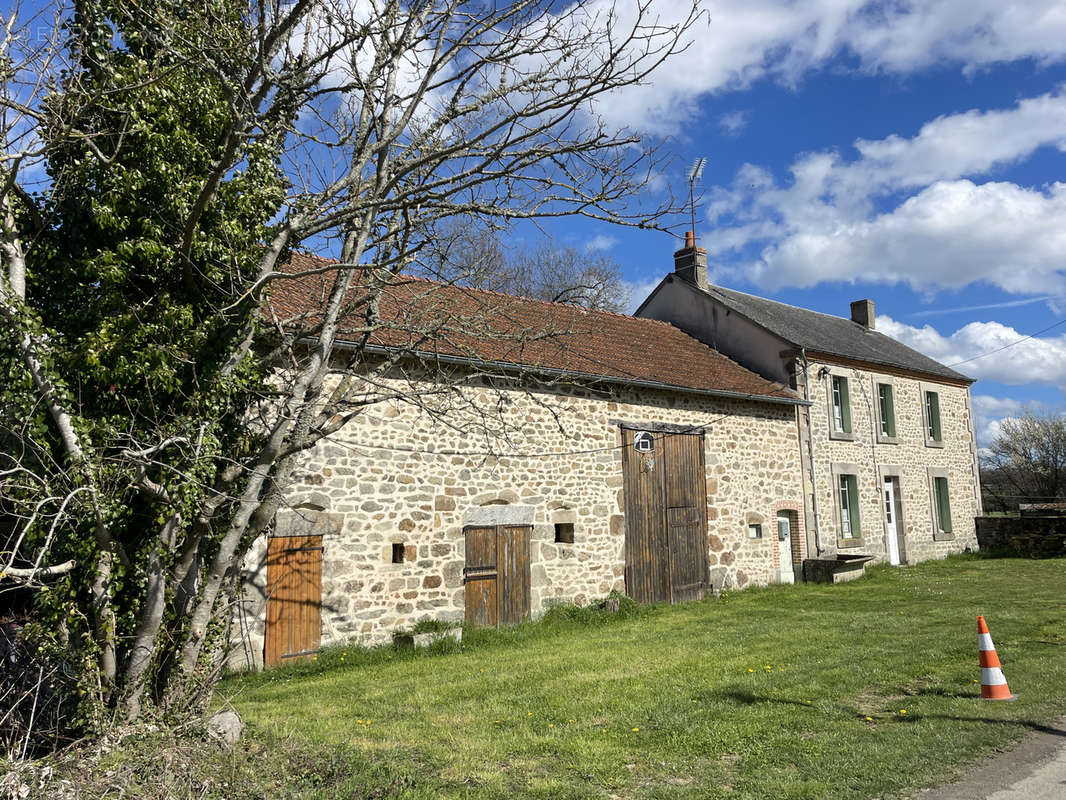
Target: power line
(489,454)
(1008,346)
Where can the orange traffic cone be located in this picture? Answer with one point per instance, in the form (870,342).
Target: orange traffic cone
(993,684)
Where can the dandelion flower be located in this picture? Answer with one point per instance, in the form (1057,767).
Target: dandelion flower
(635,730)
(903,711)
(750,670)
(869,719)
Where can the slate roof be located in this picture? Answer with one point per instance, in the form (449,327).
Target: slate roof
(829,334)
(476,325)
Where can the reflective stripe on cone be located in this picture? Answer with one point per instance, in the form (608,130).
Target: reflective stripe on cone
(993,684)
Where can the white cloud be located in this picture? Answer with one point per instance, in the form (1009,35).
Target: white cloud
(1040,360)
(750,40)
(600,242)
(949,235)
(826,223)
(733,122)
(989,413)
(639,291)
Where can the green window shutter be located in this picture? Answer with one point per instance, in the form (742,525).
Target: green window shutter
(932,410)
(845,405)
(888,410)
(853,494)
(943,504)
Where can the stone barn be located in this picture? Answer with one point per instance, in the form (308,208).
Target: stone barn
(627,456)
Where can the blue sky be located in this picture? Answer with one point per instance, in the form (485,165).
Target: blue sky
(913,153)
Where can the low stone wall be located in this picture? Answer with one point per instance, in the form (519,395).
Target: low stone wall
(1032,537)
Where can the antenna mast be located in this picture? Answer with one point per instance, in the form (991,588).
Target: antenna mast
(694,174)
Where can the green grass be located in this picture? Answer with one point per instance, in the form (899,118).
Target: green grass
(856,690)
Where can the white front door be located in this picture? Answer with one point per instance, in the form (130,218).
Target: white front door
(891,534)
(784,550)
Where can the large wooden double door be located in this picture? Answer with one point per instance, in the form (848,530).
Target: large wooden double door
(497,575)
(666,506)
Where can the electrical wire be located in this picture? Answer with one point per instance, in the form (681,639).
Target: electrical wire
(489,454)
(1008,346)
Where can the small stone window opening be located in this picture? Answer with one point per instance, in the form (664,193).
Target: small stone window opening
(397,552)
(755,531)
(564,532)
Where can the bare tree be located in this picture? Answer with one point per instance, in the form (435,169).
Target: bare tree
(478,256)
(160,391)
(1026,462)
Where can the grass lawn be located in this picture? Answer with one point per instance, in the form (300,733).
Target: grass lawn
(858,690)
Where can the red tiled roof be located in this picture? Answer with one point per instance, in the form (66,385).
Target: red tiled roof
(478,325)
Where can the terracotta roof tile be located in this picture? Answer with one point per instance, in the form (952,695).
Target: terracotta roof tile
(485,326)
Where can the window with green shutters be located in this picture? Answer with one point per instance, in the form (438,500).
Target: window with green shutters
(849,507)
(887,409)
(841,405)
(943,504)
(932,417)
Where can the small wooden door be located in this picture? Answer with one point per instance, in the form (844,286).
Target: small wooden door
(294,598)
(497,575)
(665,494)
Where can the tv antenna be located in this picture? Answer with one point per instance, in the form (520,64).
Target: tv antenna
(695,172)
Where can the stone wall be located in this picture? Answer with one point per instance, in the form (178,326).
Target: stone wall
(1030,536)
(399,476)
(909,457)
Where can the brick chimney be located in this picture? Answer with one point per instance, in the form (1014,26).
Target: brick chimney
(862,312)
(690,262)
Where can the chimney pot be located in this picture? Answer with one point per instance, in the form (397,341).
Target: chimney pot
(690,239)
(862,312)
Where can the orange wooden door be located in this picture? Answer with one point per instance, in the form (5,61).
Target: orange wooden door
(294,598)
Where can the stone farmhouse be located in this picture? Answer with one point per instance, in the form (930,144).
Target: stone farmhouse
(715,440)
(637,460)
(888,450)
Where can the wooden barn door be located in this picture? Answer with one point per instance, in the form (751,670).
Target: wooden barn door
(294,598)
(665,494)
(497,575)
